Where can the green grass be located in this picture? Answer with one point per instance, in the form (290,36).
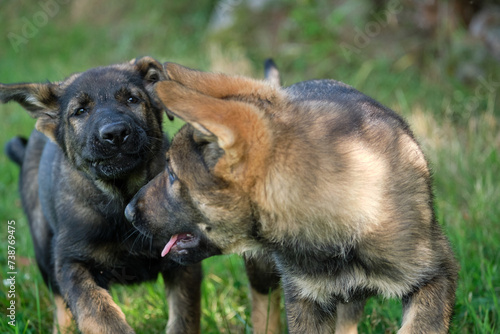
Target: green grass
(457,123)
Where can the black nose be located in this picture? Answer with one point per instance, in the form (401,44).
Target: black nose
(114,133)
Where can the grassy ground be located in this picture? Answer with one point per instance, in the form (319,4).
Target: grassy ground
(457,122)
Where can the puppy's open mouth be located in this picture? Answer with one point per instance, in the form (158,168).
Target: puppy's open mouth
(179,243)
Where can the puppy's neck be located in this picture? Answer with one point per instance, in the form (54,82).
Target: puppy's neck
(123,189)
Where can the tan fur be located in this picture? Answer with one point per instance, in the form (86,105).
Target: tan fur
(266,312)
(332,185)
(219,86)
(63,317)
(348,316)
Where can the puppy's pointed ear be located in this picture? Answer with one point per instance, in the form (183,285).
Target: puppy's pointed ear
(271,72)
(40,100)
(151,72)
(239,128)
(150,69)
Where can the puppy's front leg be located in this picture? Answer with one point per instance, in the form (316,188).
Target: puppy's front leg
(305,315)
(92,306)
(183,286)
(348,316)
(266,294)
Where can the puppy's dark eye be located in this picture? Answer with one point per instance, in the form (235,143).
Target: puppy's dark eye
(80,111)
(132,100)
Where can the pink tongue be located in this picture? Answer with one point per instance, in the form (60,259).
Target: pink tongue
(169,245)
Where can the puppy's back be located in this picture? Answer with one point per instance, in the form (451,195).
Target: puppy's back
(346,99)
(359,156)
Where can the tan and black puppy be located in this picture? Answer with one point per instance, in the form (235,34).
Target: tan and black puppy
(99,140)
(326,180)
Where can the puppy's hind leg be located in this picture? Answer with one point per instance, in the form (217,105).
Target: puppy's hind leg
(429,309)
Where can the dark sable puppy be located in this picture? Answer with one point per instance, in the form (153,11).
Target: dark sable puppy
(326,180)
(99,140)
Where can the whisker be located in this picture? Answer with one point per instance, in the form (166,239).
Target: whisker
(130,234)
(135,240)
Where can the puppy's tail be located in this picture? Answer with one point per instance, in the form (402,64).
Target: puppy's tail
(15,149)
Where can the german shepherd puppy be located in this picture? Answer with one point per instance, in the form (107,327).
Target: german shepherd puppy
(99,140)
(327,181)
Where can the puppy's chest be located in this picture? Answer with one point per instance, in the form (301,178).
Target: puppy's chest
(115,251)
(120,246)
(126,273)
(113,241)
(325,280)
(340,275)
(124,262)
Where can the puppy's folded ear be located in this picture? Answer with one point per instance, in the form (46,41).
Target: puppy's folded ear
(40,100)
(239,128)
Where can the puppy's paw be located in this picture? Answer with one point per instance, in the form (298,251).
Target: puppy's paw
(102,315)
